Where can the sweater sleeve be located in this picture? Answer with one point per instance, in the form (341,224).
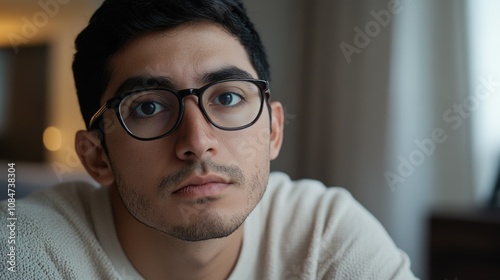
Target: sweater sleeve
(354,245)
(54,232)
(324,233)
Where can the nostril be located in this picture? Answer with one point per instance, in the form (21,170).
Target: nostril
(189,153)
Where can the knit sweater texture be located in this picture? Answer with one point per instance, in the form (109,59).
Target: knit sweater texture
(299,230)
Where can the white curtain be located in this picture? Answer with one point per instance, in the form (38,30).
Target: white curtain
(485,84)
(368,87)
(429,134)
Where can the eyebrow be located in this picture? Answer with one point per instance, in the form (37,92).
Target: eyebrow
(141,82)
(232,72)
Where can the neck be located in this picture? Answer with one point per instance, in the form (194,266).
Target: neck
(157,255)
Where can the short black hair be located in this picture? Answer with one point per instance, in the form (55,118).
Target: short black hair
(116,22)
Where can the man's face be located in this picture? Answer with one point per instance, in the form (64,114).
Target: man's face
(199,182)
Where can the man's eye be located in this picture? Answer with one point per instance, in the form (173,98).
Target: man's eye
(227,99)
(148,109)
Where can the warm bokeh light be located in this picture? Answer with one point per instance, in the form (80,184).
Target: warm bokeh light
(7,26)
(52,138)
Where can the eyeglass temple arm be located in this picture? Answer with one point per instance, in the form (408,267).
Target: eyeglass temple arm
(97,114)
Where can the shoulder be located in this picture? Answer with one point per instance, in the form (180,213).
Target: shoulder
(63,199)
(323,232)
(65,205)
(310,202)
(306,196)
(54,230)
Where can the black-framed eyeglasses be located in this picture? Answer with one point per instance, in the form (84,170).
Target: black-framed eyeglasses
(148,114)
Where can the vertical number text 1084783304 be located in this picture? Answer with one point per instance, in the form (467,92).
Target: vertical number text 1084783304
(11,217)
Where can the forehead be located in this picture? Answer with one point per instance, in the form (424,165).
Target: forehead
(184,56)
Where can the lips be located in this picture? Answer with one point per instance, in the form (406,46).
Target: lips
(201,186)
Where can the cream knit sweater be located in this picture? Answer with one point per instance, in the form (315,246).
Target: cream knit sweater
(299,230)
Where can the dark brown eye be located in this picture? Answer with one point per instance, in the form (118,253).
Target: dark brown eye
(227,99)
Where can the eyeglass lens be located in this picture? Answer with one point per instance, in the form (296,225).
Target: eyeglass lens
(229,105)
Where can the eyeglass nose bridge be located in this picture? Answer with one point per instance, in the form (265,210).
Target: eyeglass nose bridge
(191,91)
(185,93)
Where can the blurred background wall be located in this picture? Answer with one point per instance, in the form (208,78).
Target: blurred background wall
(52,25)
(394,100)
(397,100)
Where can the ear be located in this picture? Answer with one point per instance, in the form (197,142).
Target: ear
(276,129)
(93,157)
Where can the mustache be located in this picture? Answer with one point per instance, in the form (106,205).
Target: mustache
(233,172)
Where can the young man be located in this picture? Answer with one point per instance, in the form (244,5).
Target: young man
(170,91)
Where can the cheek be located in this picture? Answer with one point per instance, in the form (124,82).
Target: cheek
(134,160)
(251,147)
(137,158)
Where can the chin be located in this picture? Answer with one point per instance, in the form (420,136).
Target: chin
(205,227)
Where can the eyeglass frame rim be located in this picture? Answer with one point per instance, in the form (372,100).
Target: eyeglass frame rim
(112,104)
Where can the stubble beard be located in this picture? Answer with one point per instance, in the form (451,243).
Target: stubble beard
(197,222)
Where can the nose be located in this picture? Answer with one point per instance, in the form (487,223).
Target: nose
(195,138)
